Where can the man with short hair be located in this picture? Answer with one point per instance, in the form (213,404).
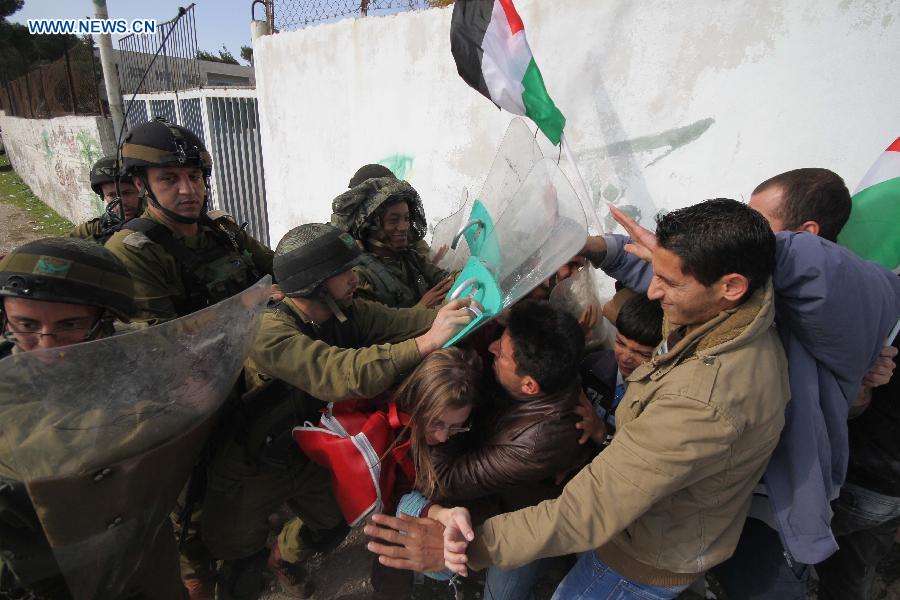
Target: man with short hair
(182,257)
(811,200)
(122,204)
(57,292)
(665,501)
(318,345)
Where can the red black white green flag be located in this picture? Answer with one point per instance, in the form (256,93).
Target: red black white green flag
(488,42)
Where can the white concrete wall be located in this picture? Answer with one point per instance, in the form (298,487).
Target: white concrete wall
(667,102)
(54,157)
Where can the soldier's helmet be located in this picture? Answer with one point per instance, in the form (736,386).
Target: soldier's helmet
(163,144)
(309,254)
(368,172)
(356,211)
(105,171)
(69,270)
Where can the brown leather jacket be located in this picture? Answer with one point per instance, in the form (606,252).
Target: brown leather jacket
(516,452)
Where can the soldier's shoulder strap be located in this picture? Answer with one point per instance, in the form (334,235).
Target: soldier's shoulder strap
(385,282)
(162,235)
(215,215)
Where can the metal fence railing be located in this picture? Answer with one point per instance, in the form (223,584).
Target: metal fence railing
(228,122)
(69,85)
(296,14)
(176,67)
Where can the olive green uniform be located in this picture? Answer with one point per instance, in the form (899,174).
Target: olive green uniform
(88,230)
(106,500)
(294,366)
(161,289)
(398,281)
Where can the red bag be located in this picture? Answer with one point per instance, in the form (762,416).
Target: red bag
(350,441)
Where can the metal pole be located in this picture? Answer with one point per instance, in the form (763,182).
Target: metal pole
(96,83)
(107,62)
(71,85)
(364,7)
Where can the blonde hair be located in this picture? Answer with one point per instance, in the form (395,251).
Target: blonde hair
(448,379)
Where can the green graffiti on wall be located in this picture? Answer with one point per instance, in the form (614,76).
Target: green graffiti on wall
(46,140)
(400,165)
(88,148)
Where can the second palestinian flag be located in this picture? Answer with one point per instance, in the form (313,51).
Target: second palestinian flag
(873,230)
(488,42)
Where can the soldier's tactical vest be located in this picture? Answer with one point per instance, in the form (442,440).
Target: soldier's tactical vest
(266,417)
(220,271)
(389,287)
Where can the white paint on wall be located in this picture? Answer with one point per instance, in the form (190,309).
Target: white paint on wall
(667,102)
(54,157)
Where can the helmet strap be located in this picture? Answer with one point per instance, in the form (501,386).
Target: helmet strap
(148,193)
(334,308)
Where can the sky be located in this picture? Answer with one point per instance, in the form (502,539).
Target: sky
(218,21)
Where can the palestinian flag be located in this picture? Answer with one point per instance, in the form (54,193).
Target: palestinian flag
(488,42)
(873,230)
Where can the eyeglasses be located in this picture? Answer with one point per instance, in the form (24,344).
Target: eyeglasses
(65,334)
(441,427)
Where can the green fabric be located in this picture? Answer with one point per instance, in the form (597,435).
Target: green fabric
(539,106)
(873,230)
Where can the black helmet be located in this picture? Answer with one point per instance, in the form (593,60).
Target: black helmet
(69,270)
(309,254)
(105,170)
(163,144)
(368,172)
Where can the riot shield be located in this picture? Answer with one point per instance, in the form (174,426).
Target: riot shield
(516,156)
(539,231)
(575,294)
(444,232)
(104,435)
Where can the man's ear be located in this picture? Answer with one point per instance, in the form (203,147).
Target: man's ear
(529,386)
(138,183)
(809,227)
(734,286)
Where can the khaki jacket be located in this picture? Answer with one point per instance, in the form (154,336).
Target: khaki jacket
(667,499)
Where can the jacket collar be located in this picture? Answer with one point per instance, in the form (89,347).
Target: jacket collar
(729,329)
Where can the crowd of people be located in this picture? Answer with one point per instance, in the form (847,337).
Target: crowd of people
(742,424)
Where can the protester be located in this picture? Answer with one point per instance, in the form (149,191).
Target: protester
(666,499)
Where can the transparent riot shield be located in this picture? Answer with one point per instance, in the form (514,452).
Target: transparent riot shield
(516,156)
(444,232)
(580,291)
(541,229)
(104,435)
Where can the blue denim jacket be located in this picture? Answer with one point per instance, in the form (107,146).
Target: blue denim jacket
(833,311)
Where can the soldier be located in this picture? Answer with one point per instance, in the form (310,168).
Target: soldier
(318,345)
(181,257)
(103,182)
(57,292)
(386,217)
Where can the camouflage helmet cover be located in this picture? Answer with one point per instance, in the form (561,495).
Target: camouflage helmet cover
(356,210)
(163,144)
(68,270)
(309,254)
(105,170)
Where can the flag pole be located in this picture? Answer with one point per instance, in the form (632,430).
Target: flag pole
(591,214)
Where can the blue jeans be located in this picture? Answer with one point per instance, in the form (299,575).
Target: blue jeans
(864,525)
(513,584)
(592,579)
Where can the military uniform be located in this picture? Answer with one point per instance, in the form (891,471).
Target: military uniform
(227,262)
(295,365)
(88,230)
(399,281)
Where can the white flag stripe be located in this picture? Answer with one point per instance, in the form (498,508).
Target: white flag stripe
(886,167)
(504,62)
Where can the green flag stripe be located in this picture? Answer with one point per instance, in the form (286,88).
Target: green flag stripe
(539,106)
(872,231)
